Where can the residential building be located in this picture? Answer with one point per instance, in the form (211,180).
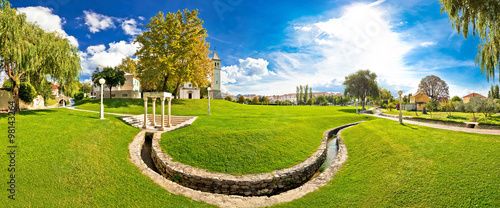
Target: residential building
(417,101)
(55,90)
(467,98)
(130,89)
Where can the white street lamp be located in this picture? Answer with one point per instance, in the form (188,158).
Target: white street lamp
(356,105)
(208,89)
(102,81)
(400,114)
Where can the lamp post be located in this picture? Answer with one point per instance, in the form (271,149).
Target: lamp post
(102,81)
(356,105)
(208,89)
(400,114)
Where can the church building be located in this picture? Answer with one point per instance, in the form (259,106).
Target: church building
(189,91)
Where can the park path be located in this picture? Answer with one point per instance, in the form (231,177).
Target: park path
(445,127)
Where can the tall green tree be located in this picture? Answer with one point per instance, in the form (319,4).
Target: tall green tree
(484,17)
(174,51)
(306,93)
(361,84)
(434,87)
(113,76)
(310,92)
(497,93)
(30,54)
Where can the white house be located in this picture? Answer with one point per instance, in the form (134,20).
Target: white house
(130,89)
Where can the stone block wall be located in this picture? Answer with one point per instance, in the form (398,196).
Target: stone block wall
(246,185)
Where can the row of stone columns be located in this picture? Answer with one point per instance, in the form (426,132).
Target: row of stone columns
(169,123)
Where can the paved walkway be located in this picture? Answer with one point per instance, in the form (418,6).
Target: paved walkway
(437,126)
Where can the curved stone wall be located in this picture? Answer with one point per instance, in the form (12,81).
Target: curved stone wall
(247,185)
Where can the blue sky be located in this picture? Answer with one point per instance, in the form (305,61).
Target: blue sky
(269,47)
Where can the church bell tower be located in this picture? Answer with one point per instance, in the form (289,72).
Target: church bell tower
(216,80)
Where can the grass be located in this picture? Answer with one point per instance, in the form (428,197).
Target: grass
(50,102)
(72,159)
(392,165)
(243,139)
(69,158)
(457,116)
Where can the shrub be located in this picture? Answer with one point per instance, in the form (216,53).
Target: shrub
(79,96)
(228,98)
(241,99)
(26,92)
(7,85)
(255,100)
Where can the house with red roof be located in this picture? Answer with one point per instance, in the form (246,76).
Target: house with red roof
(467,98)
(55,90)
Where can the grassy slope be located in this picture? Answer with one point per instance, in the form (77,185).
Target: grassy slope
(443,115)
(243,139)
(72,159)
(412,166)
(240,139)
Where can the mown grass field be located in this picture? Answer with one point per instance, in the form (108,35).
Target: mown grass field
(68,158)
(392,165)
(72,159)
(243,139)
(458,116)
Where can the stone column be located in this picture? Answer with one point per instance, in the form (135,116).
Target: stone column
(162,113)
(145,112)
(169,110)
(154,113)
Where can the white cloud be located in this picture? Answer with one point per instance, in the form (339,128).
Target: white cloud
(249,69)
(130,27)
(98,55)
(428,43)
(97,22)
(361,37)
(47,21)
(96,49)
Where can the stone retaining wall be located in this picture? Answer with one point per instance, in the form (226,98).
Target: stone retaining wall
(246,185)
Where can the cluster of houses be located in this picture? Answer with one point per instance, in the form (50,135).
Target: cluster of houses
(418,101)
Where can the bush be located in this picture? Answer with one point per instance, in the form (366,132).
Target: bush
(26,92)
(241,99)
(228,98)
(79,96)
(255,100)
(7,85)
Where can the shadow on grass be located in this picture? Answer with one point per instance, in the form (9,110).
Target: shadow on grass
(408,126)
(349,110)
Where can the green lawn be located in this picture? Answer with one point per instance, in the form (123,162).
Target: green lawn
(68,158)
(242,139)
(459,116)
(392,165)
(50,102)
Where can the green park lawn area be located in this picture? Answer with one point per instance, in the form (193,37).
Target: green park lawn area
(242,139)
(68,158)
(457,116)
(71,158)
(50,102)
(392,165)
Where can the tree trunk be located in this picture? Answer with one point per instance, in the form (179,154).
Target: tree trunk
(109,91)
(165,80)
(174,93)
(16,97)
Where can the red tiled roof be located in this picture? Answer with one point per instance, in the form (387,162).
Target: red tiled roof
(473,95)
(54,87)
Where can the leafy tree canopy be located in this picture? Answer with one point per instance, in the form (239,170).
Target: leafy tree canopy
(361,84)
(434,87)
(483,16)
